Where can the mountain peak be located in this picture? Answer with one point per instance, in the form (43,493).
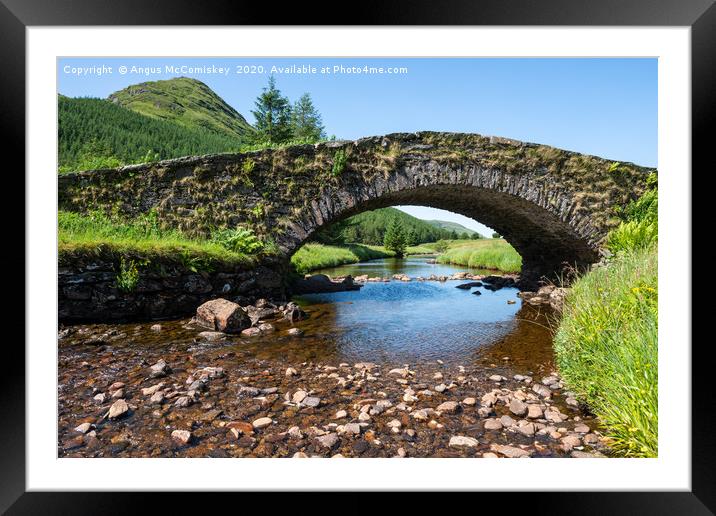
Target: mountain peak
(186,101)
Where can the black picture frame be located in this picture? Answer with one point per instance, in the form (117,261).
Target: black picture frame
(17,15)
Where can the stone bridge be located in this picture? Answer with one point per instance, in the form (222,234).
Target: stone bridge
(554,206)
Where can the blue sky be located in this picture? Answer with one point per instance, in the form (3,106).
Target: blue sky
(606,107)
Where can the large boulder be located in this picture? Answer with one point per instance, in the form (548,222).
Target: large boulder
(222,315)
(320,283)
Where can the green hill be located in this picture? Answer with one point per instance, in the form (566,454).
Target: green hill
(369,227)
(91,129)
(451,226)
(187,102)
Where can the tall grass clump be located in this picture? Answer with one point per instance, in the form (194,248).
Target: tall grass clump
(606,348)
(494,254)
(607,341)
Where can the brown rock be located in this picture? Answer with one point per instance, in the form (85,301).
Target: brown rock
(222,315)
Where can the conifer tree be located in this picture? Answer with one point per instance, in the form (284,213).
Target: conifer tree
(394,239)
(273,115)
(306,122)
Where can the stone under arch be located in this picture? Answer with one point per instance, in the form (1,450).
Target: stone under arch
(554,206)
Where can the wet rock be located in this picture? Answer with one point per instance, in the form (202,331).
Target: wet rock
(493,424)
(476,293)
(222,315)
(469,285)
(118,409)
(518,408)
(295,332)
(294,313)
(299,396)
(291,372)
(311,401)
(250,332)
(541,390)
(159,370)
(262,422)
(242,427)
(497,378)
(590,439)
(266,327)
(570,441)
(300,455)
(402,372)
(461,441)
(509,451)
(581,429)
(248,392)
(526,428)
(212,336)
(353,428)
(183,401)
(448,407)
(84,428)
(100,398)
(156,327)
(182,437)
(534,411)
(507,421)
(327,441)
(151,390)
(157,398)
(469,402)
(340,414)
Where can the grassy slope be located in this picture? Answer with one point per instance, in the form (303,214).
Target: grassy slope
(607,340)
(318,256)
(369,227)
(606,349)
(83,236)
(484,253)
(187,102)
(86,123)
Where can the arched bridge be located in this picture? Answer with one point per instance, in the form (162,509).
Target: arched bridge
(554,206)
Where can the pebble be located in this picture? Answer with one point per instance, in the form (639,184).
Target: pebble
(509,451)
(291,372)
(159,369)
(251,332)
(311,401)
(295,332)
(299,396)
(340,414)
(534,411)
(449,407)
(151,390)
(262,422)
(83,428)
(493,424)
(469,402)
(328,441)
(118,409)
(461,441)
(497,378)
(181,436)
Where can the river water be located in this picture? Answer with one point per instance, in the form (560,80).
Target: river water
(453,342)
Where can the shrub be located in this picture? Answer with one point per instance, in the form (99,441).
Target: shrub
(128,275)
(339,163)
(238,240)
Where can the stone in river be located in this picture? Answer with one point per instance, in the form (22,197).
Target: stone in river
(299,396)
(327,441)
(581,429)
(182,402)
(295,332)
(526,428)
(353,428)
(212,336)
(518,408)
(157,398)
(84,428)
(266,327)
(311,401)
(340,414)
(118,409)
(300,455)
(181,436)
(476,293)
(449,407)
(159,369)
(291,372)
(222,315)
(509,451)
(541,390)
(262,422)
(151,390)
(250,332)
(469,401)
(497,378)
(493,424)
(100,398)
(461,441)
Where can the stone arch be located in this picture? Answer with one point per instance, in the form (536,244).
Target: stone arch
(554,206)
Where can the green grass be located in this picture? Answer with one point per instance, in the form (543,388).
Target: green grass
(485,253)
(314,256)
(606,348)
(82,237)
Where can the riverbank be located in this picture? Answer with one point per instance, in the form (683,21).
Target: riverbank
(607,341)
(318,256)
(494,254)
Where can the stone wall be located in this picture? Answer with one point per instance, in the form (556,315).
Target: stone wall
(554,206)
(88,291)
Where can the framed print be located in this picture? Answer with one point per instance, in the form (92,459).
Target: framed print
(433,237)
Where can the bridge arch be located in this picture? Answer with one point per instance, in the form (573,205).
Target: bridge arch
(554,206)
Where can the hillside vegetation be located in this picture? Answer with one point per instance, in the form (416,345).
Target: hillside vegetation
(94,133)
(607,340)
(187,102)
(369,228)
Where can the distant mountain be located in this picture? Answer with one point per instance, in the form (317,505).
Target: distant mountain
(187,102)
(91,129)
(451,226)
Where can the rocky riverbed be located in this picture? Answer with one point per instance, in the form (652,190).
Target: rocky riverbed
(174,390)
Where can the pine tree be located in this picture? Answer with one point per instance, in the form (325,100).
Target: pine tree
(273,115)
(306,121)
(394,239)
